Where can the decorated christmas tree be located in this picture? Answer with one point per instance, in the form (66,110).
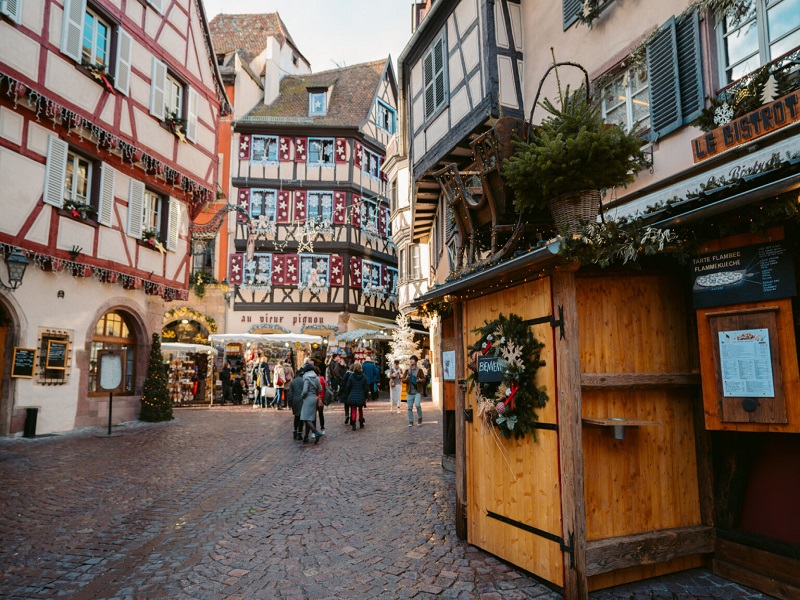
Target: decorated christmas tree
(403,344)
(156,402)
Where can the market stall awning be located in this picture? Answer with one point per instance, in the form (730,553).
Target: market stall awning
(266,338)
(179,347)
(362,334)
(375,322)
(293,337)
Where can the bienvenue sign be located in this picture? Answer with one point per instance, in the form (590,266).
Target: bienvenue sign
(490,369)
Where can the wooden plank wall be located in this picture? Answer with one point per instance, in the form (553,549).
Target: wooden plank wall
(647,481)
(516,479)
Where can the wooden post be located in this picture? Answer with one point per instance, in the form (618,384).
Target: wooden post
(461,433)
(568,386)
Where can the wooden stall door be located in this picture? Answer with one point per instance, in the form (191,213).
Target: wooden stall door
(516,480)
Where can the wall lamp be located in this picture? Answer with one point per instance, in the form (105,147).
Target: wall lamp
(16,264)
(227,293)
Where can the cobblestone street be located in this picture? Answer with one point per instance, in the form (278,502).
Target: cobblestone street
(223,503)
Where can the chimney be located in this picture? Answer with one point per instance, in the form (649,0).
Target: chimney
(272,71)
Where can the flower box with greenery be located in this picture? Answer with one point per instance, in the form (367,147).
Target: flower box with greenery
(100,73)
(80,210)
(199,280)
(176,124)
(152,239)
(569,158)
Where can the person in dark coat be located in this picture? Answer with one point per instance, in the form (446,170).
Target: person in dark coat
(356,390)
(342,396)
(373,375)
(295,397)
(225,378)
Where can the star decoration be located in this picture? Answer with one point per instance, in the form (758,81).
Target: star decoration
(292,268)
(236,268)
(243,146)
(300,148)
(335,270)
(284,147)
(282,204)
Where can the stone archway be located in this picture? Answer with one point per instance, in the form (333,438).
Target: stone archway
(184,324)
(12,328)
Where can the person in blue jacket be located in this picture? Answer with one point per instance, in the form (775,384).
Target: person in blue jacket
(373,375)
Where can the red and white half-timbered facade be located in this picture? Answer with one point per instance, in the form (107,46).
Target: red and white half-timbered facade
(109,111)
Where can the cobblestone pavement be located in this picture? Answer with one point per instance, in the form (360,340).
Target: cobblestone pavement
(223,503)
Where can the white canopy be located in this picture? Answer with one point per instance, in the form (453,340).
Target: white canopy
(258,338)
(177,347)
(362,334)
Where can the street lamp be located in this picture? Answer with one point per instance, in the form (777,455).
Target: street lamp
(16,264)
(226,293)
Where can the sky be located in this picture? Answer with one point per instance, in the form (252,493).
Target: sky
(331,33)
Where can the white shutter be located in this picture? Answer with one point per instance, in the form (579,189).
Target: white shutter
(158,86)
(174,224)
(158,5)
(12,8)
(135,208)
(105,212)
(191,117)
(122,74)
(55,171)
(72,32)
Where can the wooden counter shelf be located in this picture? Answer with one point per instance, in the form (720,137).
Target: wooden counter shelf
(638,380)
(618,425)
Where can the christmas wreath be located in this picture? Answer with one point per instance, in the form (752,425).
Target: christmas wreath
(509,405)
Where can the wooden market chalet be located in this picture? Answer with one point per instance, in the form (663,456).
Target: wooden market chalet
(313,222)
(108,144)
(668,437)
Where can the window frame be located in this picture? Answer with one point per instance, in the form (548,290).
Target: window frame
(265,191)
(91,197)
(110,28)
(764,47)
(172,82)
(102,341)
(322,141)
(266,159)
(415,266)
(311,96)
(321,212)
(391,113)
(365,164)
(206,256)
(147,212)
(629,101)
(437,107)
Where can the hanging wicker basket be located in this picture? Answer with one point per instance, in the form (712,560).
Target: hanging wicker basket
(570,210)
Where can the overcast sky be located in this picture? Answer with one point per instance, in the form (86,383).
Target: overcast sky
(334,32)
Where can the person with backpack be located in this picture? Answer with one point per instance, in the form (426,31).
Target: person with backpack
(415,380)
(356,390)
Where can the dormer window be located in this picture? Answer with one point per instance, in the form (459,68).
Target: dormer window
(317,102)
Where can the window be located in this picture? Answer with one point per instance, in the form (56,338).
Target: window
(371,164)
(626,102)
(264,149)
(317,103)
(393,195)
(173,98)
(433,74)
(113,332)
(258,271)
(12,9)
(416,269)
(152,213)
(203,257)
(78,179)
(95,40)
(263,203)
(762,31)
(320,151)
(401,262)
(319,206)
(386,117)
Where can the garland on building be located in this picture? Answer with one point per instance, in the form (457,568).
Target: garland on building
(735,9)
(182,312)
(510,405)
(156,401)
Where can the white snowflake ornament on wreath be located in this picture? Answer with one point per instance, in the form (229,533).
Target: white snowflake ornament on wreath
(723,114)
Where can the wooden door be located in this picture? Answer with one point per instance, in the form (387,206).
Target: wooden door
(517,481)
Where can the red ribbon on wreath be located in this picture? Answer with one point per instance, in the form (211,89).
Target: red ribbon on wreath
(487,345)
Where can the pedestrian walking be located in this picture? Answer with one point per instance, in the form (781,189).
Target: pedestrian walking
(356,390)
(295,396)
(264,381)
(343,395)
(373,375)
(415,382)
(395,385)
(426,365)
(279,377)
(225,378)
(336,370)
(289,377)
(321,400)
(308,412)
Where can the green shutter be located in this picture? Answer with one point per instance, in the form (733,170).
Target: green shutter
(662,71)
(571,9)
(690,71)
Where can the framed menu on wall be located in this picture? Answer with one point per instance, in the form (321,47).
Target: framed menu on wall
(22,364)
(56,358)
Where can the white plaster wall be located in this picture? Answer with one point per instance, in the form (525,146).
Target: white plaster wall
(459,105)
(515,12)
(18,50)
(466,12)
(150,260)
(54,28)
(73,233)
(11,125)
(178,18)
(505,72)
(23,183)
(500,33)
(438,128)
(246,92)
(65,80)
(33,16)
(194,161)
(37,138)
(40,230)
(157,138)
(134,11)
(471,49)
(110,246)
(173,45)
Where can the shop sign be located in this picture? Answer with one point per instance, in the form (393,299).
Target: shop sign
(746,274)
(753,125)
(285,319)
(490,369)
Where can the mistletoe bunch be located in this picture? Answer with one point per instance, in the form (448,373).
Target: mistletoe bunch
(511,404)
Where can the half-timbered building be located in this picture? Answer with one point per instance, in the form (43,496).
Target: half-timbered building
(108,136)
(313,245)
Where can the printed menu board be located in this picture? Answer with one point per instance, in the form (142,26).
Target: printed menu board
(23,362)
(746,364)
(746,274)
(56,355)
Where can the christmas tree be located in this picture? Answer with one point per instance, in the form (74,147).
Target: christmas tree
(156,401)
(403,344)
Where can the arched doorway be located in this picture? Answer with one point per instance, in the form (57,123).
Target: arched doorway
(185,331)
(114,330)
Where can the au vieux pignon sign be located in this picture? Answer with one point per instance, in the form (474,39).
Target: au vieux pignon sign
(770,117)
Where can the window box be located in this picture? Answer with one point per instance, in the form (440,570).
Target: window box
(70,214)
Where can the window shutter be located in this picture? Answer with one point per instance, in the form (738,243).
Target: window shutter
(292,269)
(174,224)
(571,9)
(427,71)
(438,64)
(235,269)
(72,31)
(55,171)
(158,5)
(662,70)
(191,117)
(687,34)
(300,206)
(158,86)
(355,272)
(135,208)
(105,212)
(122,74)
(12,8)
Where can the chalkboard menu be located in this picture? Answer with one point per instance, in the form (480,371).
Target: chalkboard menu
(490,369)
(23,362)
(56,355)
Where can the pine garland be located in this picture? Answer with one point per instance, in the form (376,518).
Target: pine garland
(156,401)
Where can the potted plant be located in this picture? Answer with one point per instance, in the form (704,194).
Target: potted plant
(80,210)
(569,158)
